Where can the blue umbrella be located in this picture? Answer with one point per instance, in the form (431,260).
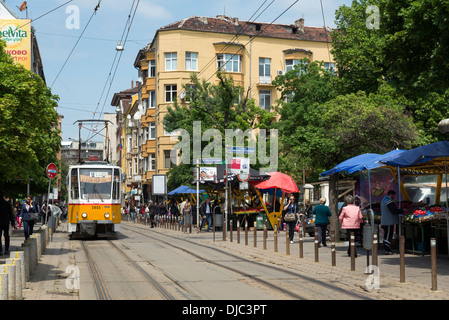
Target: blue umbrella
(181,189)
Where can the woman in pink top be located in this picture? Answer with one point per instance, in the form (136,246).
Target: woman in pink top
(350,219)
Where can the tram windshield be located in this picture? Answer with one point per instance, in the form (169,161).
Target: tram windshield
(95,184)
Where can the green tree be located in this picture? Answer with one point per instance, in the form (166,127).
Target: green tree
(216,106)
(408,51)
(29,139)
(323,129)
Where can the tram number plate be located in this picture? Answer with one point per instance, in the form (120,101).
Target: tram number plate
(96,207)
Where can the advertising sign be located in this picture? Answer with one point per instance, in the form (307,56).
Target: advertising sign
(17,35)
(159,184)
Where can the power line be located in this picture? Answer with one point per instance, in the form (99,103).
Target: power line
(43,15)
(126,29)
(261,30)
(79,38)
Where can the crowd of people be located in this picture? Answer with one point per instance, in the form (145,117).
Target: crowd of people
(153,211)
(23,215)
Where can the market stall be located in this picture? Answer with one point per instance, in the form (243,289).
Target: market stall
(424,219)
(278,184)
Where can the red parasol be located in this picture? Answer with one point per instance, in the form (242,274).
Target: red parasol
(278,180)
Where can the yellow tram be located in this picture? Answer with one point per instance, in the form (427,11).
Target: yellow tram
(94,199)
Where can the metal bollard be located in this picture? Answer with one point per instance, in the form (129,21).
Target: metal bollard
(255,235)
(316,244)
(265,236)
(433,259)
(402,259)
(230,231)
(238,231)
(333,254)
(352,244)
(246,233)
(375,247)
(275,238)
(301,237)
(287,240)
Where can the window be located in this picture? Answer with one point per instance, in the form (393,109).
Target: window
(74,187)
(170,92)
(116,185)
(265,99)
(152,99)
(229,62)
(264,70)
(152,161)
(152,68)
(330,66)
(191,61)
(171,61)
(135,166)
(167,160)
(291,63)
(151,133)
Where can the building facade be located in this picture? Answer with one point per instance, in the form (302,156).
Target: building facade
(253,53)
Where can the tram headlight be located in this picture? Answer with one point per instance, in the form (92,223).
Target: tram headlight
(84,215)
(106,215)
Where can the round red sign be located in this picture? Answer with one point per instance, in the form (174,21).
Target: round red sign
(52,171)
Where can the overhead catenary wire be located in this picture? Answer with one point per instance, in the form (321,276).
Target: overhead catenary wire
(256,35)
(76,43)
(124,40)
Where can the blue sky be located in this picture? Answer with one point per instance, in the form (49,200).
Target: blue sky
(85,75)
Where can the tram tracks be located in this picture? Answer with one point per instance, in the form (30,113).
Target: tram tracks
(98,280)
(262,282)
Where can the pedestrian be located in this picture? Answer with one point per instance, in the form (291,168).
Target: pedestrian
(6,218)
(291,208)
(322,214)
(163,210)
(308,208)
(350,219)
(17,208)
(389,218)
(25,215)
(186,211)
(152,209)
(206,213)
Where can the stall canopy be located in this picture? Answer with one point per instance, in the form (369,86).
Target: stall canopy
(420,155)
(362,162)
(183,190)
(278,180)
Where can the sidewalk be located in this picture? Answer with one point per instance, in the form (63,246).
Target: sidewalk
(48,281)
(417,285)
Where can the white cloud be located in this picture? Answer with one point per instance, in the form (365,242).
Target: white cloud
(153,11)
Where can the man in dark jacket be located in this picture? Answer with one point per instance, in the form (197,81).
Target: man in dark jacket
(6,217)
(206,214)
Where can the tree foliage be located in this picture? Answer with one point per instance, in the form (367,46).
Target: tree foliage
(219,106)
(29,139)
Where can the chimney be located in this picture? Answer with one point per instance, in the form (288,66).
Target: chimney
(300,24)
(235,21)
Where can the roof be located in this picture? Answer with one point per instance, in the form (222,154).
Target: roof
(224,24)
(125,94)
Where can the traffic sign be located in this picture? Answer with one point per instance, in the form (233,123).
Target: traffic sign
(52,171)
(244,150)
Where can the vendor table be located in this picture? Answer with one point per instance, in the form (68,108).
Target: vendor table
(417,236)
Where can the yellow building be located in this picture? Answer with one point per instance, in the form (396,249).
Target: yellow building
(253,53)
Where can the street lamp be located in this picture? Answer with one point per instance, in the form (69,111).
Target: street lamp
(443,126)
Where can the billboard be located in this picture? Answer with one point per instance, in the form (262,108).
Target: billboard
(17,35)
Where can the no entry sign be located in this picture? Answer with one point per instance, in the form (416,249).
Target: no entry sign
(52,171)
